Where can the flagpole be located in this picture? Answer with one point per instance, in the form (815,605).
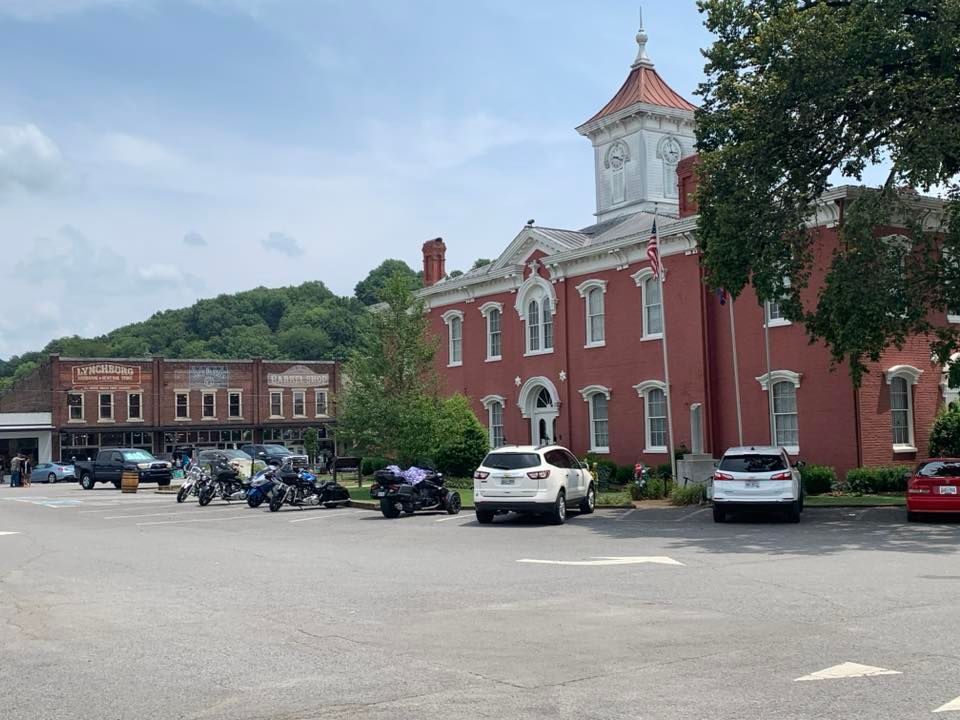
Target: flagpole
(663,340)
(766,342)
(736,373)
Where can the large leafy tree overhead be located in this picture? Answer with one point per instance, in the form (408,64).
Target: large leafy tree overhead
(797,91)
(369,291)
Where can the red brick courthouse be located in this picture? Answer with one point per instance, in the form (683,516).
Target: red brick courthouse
(560,338)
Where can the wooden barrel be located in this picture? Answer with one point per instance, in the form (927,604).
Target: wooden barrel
(130,481)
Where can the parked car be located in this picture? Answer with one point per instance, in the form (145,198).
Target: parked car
(525,479)
(934,487)
(52,472)
(111,463)
(271,454)
(757,478)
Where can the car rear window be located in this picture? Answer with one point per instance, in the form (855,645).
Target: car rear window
(752,463)
(511,461)
(939,469)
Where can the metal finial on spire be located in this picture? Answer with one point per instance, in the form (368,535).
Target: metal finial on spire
(642,57)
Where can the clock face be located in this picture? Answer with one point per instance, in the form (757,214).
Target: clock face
(672,151)
(618,156)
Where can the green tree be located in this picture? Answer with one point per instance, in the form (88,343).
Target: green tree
(798,91)
(311,443)
(480,262)
(461,439)
(389,405)
(945,435)
(369,291)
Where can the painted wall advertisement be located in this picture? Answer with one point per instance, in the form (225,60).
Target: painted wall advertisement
(298,376)
(106,376)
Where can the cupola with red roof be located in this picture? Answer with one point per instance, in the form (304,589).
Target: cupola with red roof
(639,138)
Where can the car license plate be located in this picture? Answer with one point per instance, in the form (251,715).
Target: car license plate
(948,489)
(752,483)
(507,481)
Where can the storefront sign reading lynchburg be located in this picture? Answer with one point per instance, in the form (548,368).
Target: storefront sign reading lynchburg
(298,376)
(106,376)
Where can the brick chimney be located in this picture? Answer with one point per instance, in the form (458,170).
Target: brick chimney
(688,181)
(434,261)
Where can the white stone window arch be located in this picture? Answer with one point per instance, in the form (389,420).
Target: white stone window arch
(536,305)
(493,314)
(656,431)
(786,415)
(494,405)
(900,380)
(614,161)
(597,398)
(453,319)
(950,395)
(651,304)
(593,291)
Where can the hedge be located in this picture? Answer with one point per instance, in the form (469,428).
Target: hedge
(818,479)
(874,480)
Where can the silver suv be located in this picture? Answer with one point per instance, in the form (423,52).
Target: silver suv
(757,477)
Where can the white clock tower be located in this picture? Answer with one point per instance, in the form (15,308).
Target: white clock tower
(638,139)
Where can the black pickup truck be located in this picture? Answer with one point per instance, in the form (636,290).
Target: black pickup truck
(111,462)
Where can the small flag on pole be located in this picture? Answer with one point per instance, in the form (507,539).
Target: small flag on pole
(652,253)
(722,296)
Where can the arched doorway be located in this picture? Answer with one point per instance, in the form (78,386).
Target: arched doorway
(539,402)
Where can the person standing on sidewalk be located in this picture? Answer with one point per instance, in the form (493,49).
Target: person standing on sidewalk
(26,467)
(15,471)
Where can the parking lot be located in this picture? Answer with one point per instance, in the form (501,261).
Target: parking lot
(131,606)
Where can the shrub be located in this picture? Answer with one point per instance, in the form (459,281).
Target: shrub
(613,499)
(872,480)
(945,435)
(653,489)
(458,483)
(664,471)
(688,495)
(461,440)
(818,479)
(368,466)
(606,474)
(624,474)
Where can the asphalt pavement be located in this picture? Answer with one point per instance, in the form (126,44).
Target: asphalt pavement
(132,606)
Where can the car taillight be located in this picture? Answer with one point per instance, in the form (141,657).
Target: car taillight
(722,476)
(480,475)
(781,476)
(538,474)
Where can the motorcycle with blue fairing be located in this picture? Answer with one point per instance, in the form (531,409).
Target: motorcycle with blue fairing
(302,489)
(262,486)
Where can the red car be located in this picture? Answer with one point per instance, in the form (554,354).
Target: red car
(934,487)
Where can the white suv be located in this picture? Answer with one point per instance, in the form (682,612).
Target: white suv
(526,479)
(757,477)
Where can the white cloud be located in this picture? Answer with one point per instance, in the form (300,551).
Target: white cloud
(194,239)
(29,160)
(140,152)
(282,243)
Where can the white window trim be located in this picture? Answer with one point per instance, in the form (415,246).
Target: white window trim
(203,395)
(137,419)
(587,393)
(912,376)
(643,391)
(584,289)
(953,319)
(779,376)
(485,310)
(235,391)
(791,449)
(187,418)
(520,305)
(776,322)
(83,408)
(293,402)
(448,318)
(488,402)
(113,408)
(270,394)
(326,403)
(640,278)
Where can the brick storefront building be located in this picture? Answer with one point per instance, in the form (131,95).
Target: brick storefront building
(78,405)
(561,337)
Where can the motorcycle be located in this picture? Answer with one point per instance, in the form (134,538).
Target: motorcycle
(193,482)
(262,486)
(302,490)
(226,483)
(412,490)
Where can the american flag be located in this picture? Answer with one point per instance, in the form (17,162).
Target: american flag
(652,251)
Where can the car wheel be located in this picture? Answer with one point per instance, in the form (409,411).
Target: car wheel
(485,517)
(589,502)
(86,482)
(163,483)
(51,478)
(558,515)
(719,514)
(453,503)
(793,512)
(389,509)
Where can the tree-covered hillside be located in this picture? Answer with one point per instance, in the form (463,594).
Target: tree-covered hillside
(306,322)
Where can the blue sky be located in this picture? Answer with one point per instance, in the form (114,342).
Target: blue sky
(153,151)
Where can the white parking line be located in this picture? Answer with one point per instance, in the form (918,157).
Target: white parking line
(172,512)
(952,706)
(847,670)
(323,517)
(627,514)
(690,515)
(210,519)
(454,517)
(9,532)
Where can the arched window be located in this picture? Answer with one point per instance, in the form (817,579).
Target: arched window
(533,326)
(543,399)
(785,421)
(454,322)
(655,423)
(901,379)
(535,305)
(652,309)
(592,292)
(494,405)
(547,314)
(493,312)
(599,423)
